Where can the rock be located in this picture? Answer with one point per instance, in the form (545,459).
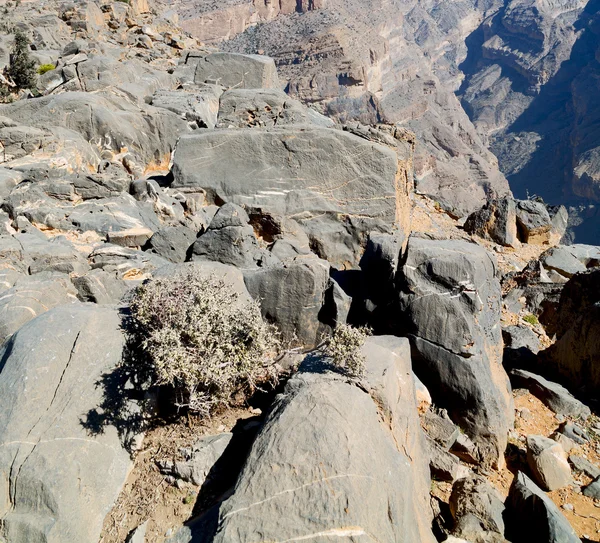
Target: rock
(531,515)
(521,344)
(30,297)
(548,463)
(49,376)
(497,221)
(131,237)
(593,489)
(231,240)
(327,459)
(200,459)
(450,300)
(442,430)
(566,443)
(574,432)
(533,222)
(100,287)
(277,171)
(171,243)
(232,70)
(553,395)
(291,296)
(465,449)
(200,106)
(561,260)
(585,466)
(474,496)
(138,535)
(423,396)
(125,262)
(241,108)
(443,465)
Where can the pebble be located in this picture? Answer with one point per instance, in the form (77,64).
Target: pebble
(525,414)
(568,506)
(560,418)
(169,532)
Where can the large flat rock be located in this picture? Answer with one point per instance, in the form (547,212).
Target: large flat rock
(336,185)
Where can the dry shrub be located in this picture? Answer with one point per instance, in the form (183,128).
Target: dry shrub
(344,349)
(196,334)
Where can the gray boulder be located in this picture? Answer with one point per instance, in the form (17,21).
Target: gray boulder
(548,463)
(172,243)
(562,261)
(291,296)
(200,106)
(326,484)
(593,489)
(442,430)
(311,174)
(474,496)
(30,297)
(533,222)
(521,345)
(450,302)
(58,480)
(232,70)
(444,466)
(585,466)
(100,287)
(553,395)
(533,516)
(497,221)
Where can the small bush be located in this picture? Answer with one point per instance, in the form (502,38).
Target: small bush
(531,319)
(344,349)
(42,69)
(197,335)
(22,67)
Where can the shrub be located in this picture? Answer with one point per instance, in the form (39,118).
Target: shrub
(344,349)
(197,335)
(22,66)
(42,69)
(531,319)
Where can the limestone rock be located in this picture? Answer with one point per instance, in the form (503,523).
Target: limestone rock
(233,70)
(548,463)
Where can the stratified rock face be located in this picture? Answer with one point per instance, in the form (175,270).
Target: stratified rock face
(386,60)
(336,185)
(451,300)
(324,466)
(57,482)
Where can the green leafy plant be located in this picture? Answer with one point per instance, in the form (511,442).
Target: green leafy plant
(22,67)
(344,349)
(531,319)
(203,339)
(44,68)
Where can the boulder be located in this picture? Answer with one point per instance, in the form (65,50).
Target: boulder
(291,295)
(441,429)
(521,345)
(30,297)
(585,466)
(310,174)
(444,466)
(533,516)
(553,395)
(474,496)
(172,243)
(199,106)
(310,473)
(548,463)
(58,480)
(533,222)
(233,70)
(100,287)
(496,221)
(450,307)
(593,489)
(574,432)
(562,261)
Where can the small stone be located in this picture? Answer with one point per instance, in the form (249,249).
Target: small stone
(526,414)
(568,506)
(560,418)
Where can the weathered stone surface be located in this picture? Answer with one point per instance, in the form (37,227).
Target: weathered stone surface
(172,242)
(451,299)
(200,106)
(585,466)
(533,222)
(100,287)
(314,175)
(30,297)
(548,463)
(561,260)
(241,108)
(574,432)
(291,296)
(58,481)
(521,344)
(497,221)
(442,430)
(232,70)
(593,489)
(553,395)
(443,465)
(474,496)
(532,516)
(327,484)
